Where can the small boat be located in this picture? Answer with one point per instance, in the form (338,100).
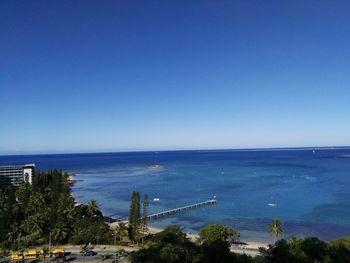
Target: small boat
(156,199)
(272,204)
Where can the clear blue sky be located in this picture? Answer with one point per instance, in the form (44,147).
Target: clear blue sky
(78,76)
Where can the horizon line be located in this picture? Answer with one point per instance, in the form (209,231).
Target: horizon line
(300,148)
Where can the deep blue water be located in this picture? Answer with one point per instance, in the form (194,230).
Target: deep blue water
(311,190)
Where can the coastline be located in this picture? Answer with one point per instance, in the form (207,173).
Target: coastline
(194,237)
(112,222)
(254,245)
(313,217)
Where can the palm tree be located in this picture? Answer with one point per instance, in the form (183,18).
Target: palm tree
(68,207)
(60,232)
(36,201)
(16,211)
(275,228)
(121,230)
(23,193)
(14,233)
(92,207)
(33,224)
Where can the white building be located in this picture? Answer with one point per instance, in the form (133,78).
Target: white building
(14,174)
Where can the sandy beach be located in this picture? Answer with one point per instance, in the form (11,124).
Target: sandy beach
(194,237)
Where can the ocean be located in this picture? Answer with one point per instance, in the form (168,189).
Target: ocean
(309,190)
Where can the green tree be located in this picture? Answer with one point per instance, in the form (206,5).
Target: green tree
(211,233)
(29,212)
(33,224)
(216,232)
(66,206)
(134,217)
(13,233)
(168,246)
(91,229)
(144,220)
(93,207)
(232,235)
(309,249)
(214,243)
(3,203)
(121,230)
(132,209)
(275,229)
(60,232)
(145,210)
(36,202)
(314,249)
(344,241)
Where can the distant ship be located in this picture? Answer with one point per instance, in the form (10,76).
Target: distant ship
(272,204)
(156,199)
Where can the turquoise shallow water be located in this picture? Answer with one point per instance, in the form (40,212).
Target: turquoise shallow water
(310,189)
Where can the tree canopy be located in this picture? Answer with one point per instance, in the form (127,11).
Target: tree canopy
(33,214)
(173,246)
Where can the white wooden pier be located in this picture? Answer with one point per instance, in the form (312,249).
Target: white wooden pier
(180,209)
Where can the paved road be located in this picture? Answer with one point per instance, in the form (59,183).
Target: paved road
(109,256)
(73,255)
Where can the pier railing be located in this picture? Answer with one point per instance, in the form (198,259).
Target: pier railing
(180,209)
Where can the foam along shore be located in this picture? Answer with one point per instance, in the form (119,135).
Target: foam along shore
(71,178)
(194,237)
